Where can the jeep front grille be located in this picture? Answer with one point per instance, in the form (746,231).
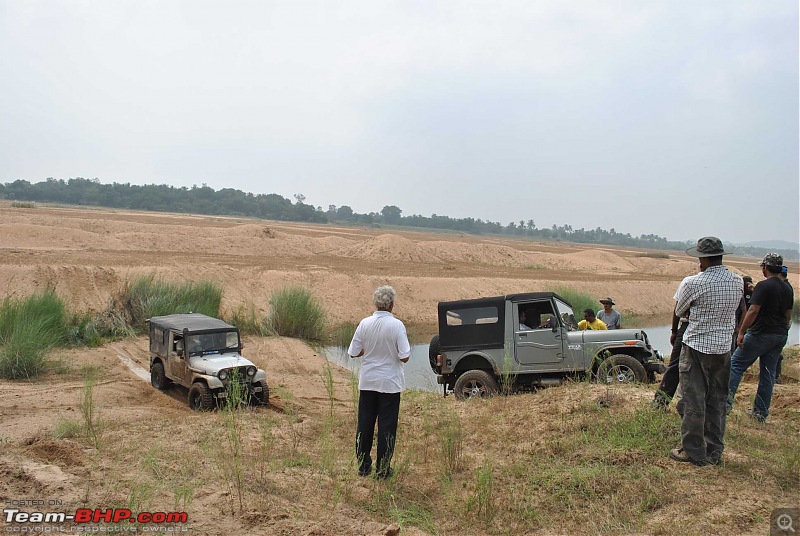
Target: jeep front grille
(238,374)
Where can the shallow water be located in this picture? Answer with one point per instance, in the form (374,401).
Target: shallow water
(420,376)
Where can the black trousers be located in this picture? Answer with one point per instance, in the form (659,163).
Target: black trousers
(671,378)
(385,408)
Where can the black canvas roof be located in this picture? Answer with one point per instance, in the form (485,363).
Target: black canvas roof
(190,321)
(522,296)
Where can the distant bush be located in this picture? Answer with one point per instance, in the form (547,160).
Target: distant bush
(295,312)
(341,335)
(245,318)
(29,329)
(20,204)
(149,296)
(85,330)
(654,255)
(796,310)
(578,300)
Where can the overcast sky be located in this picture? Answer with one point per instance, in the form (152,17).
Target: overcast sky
(678,118)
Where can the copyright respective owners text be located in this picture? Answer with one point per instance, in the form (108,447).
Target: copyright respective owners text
(784,521)
(53,516)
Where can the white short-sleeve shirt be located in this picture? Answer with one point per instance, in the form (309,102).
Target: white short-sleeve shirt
(384,341)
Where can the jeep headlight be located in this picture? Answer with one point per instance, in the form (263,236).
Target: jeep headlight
(251,371)
(223,374)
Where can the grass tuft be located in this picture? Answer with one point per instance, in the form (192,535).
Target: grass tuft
(245,318)
(579,300)
(29,329)
(295,312)
(150,296)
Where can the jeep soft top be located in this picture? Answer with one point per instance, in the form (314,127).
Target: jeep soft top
(193,322)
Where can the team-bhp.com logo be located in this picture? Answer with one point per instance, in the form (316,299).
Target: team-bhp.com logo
(96,515)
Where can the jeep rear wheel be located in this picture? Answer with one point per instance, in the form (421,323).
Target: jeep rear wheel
(200,397)
(475,384)
(433,353)
(621,368)
(158,379)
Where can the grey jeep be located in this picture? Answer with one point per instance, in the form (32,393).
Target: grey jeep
(203,354)
(482,345)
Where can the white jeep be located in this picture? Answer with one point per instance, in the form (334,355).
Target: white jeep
(203,354)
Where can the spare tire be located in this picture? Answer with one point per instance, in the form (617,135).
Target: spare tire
(433,352)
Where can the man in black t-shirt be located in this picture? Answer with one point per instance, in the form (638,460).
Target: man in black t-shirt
(763,334)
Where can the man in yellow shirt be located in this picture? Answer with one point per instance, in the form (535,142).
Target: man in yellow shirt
(590,322)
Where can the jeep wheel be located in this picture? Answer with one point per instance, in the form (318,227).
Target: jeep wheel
(433,352)
(261,398)
(157,377)
(621,368)
(475,384)
(200,397)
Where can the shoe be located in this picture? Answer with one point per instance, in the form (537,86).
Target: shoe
(365,472)
(756,416)
(679,455)
(384,474)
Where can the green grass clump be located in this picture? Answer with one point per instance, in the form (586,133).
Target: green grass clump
(578,300)
(29,329)
(796,310)
(341,335)
(149,296)
(295,312)
(245,318)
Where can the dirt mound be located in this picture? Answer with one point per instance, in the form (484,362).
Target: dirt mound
(389,247)
(30,479)
(490,254)
(62,452)
(598,261)
(254,231)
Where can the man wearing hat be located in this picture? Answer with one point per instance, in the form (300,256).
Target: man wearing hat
(763,335)
(609,316)
(711,299)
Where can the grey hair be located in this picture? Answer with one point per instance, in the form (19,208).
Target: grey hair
(383,297)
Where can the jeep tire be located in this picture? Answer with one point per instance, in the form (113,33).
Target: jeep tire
(158,379)
(475,384)
(433,353)
(621,368)
(200,397)
(262,398)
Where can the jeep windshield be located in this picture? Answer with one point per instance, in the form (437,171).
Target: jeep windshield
(212,343)
(567,315)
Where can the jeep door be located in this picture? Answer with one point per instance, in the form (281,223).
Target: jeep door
(536,341)
(177,360)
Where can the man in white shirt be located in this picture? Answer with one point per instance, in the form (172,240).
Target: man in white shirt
(382,343)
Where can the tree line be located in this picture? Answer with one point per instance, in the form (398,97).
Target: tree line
(231,202)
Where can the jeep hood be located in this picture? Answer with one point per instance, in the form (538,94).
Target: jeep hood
(607,335)
(215,362)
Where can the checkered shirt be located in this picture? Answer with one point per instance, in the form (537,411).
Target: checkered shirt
(711,298)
